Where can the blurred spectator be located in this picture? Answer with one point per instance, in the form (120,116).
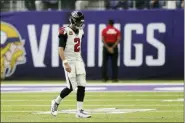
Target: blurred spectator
(3,5)
(50,4)
(182,4)
(117,4)
(81,4)
(171,5)
(142,4)
(155,4)
(96,5)
(122,4)
(39,5)
(110,4)
(68,4)
(30,4)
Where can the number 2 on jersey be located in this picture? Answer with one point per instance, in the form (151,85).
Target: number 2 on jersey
(77,45)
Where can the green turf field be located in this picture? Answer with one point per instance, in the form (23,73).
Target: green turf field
(105,107)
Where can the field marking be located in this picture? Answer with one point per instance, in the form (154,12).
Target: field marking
(174,100)
(51,89)
(151,91)
(96,84)
(100,111)
(48,89)
(162,105)
(98,100)
(169,89)
(89,95)
(104,113)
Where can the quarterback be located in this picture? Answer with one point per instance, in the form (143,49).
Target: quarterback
(70,38)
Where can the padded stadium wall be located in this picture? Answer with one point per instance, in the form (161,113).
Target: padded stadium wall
(151,46)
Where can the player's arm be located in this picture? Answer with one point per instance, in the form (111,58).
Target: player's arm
(103,40)
(62,45)
(118,39)
(104,43)
(109,49)
(61,53)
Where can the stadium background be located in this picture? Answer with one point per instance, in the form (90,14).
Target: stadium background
(151,60)
(160,35)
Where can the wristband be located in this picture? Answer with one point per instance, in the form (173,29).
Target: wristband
(65,61)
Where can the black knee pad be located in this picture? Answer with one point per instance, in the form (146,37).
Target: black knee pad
(80,93)
(69,89)
(66,91)
(81,89)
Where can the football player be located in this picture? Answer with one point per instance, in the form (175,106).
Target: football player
(70,38)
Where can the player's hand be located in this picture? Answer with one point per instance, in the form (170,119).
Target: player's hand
(67,67)
(111,50)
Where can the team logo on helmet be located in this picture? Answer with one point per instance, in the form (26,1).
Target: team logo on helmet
(12,49)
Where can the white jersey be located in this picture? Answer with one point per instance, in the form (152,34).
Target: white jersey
(72,50)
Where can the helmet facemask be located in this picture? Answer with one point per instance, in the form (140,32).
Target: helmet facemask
(77,22)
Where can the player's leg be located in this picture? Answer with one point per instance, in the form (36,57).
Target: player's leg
(81,84)
(64,93)
(71,85)
(104,64)
(114,59)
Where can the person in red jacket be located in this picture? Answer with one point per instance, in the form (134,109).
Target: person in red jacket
(111,37)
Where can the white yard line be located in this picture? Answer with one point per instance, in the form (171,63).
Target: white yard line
(48,91)
(94,100)
(174,100)
(99,95)
(167,111)
(103,113)
(94,105)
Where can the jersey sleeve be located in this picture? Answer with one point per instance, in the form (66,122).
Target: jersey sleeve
(103,33)
(62,37)
(118,33)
